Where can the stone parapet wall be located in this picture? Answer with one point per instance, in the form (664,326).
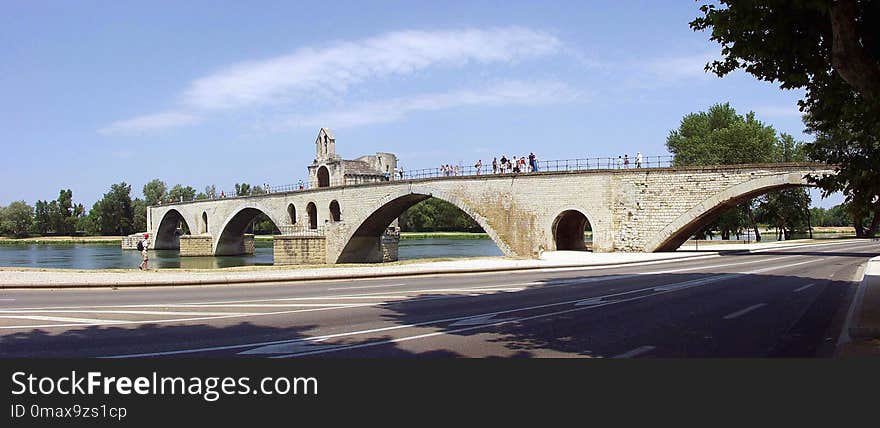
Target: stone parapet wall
(299,250)
(196,245)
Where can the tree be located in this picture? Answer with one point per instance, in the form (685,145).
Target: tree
(210,191)
(155,192)
(139,215)
(61,213)
(832,50)
(42,223)
(720,136)
(180,193)
(242,189)
(113,213)
(848,137)
(17,218)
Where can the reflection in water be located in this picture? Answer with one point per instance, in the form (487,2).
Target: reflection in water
(109,256)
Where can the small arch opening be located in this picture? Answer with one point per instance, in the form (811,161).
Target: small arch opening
(204,222)
(291,214)
(323,177)
(312,212)
(335,214)
(572,231)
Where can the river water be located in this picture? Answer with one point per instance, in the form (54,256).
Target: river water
(111,256)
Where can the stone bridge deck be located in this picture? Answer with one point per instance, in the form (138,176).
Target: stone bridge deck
(632,210)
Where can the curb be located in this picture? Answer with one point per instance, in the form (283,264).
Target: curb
(252,280)
(868,291)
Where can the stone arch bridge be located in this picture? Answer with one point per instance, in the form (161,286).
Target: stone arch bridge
(629,210)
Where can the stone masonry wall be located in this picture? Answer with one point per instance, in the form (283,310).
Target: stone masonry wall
(196,245)
(299,250)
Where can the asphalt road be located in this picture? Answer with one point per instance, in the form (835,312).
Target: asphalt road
(778,303)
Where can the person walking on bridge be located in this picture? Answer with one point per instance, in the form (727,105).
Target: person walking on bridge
(478,165)
(638,159)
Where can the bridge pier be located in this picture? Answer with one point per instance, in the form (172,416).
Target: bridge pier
(196,245)
(299,250)
(235,246)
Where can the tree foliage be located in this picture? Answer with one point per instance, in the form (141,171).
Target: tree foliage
(155,192)
(180,193)
(113,213)
(434,215)
(720,136)
(16,219)
(832,50)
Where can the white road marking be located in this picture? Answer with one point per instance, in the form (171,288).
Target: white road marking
(7,300)
(636,352)
(125,312)
(79,321)
(288,348)
(365,286)
(480,320)
(162,321)
(742,312)
(799,289)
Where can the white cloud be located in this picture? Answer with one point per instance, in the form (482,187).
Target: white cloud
(332,69)
(336,67)
(150,122)
(500,94)
(687,67)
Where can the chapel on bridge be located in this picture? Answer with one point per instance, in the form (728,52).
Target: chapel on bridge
(329,169)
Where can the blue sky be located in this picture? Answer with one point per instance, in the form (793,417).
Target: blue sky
(199,93)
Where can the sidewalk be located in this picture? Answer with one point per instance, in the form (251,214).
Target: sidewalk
(864,325)
(68,278)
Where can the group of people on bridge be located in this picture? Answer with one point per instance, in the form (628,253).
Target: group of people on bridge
(508,165)
(623,161)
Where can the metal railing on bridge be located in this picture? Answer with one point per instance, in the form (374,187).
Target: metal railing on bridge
(556,165)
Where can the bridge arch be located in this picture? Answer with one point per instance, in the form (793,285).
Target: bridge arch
(166,234)
(231,238)
(568,230)
(204,228)
(365,238)
(677,233)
